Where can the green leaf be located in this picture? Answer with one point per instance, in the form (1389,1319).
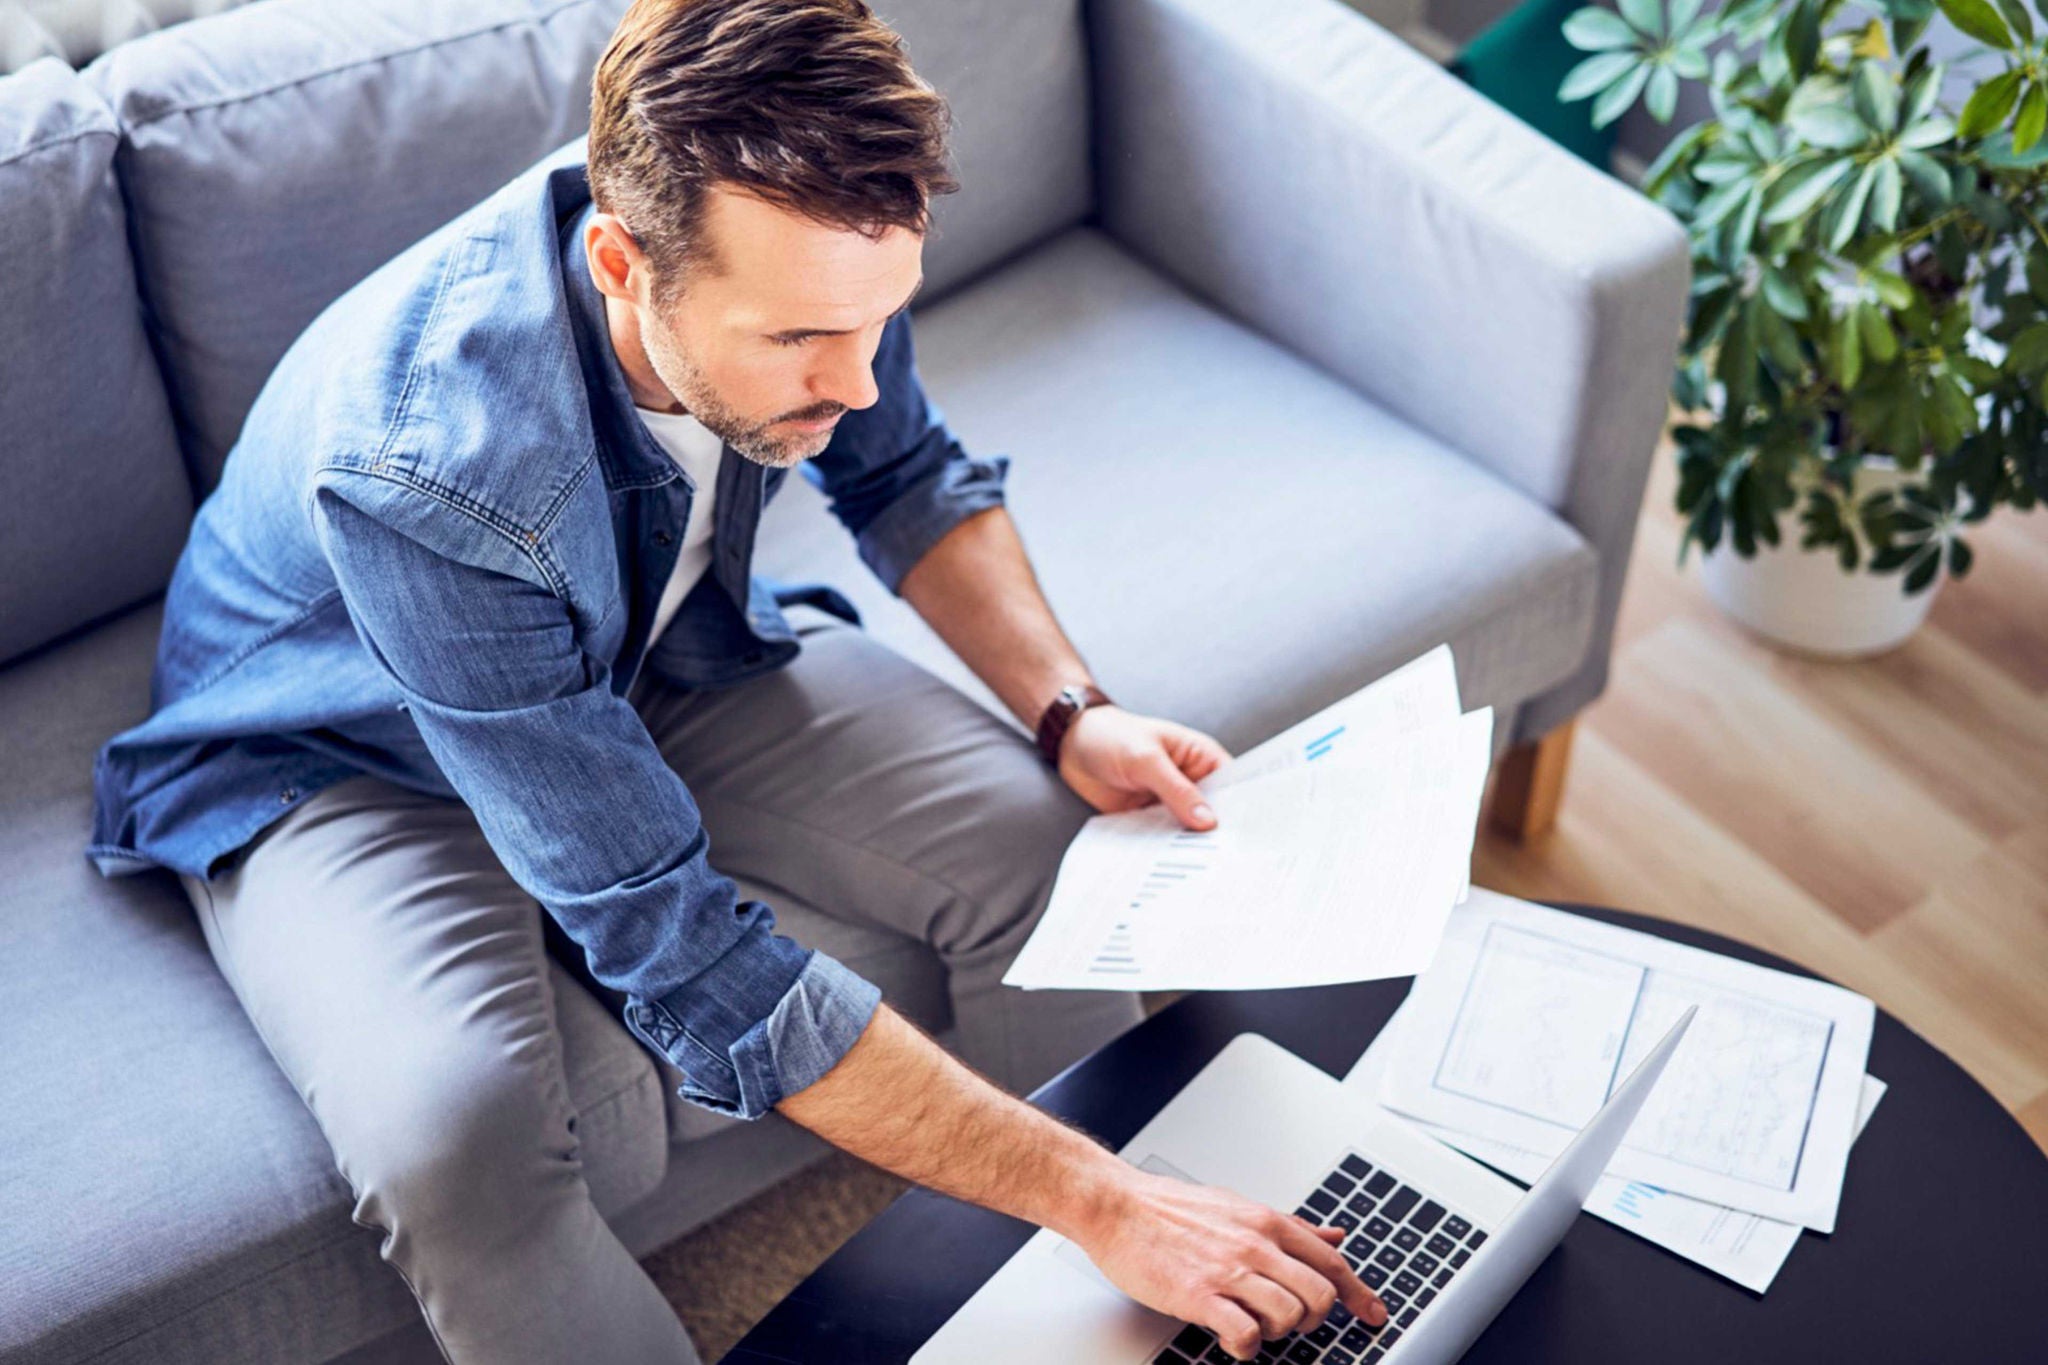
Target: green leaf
(1595,74)
(1690,62)
(1848,349)
(2033,117)
(1829,125)
(1719,169)
(1683,12)
(1989,104)
(1923,87)
(1923,570)
(1662,96)
(2017,18)
(1998,154)
(1647,17)
(1802,36)
(1959,557)
(2029,351)
(1885,193)
(1978,19)
(1674,151)
(1801,188)
(1782,294)
(1596,30)
(1616,98)
(1744,229)
(1880,343)
(1891,288)
(1851,208)
(1927,176)
(1720,202)
(1875,95)
(1931,132)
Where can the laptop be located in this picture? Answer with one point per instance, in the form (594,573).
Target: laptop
(1442,1239)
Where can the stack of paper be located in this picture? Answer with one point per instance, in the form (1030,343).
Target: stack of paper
(1530,1017)
(1339,848)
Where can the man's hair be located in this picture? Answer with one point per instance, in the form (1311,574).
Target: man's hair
(810,105)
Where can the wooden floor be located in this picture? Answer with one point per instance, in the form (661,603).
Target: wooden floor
(1883,822)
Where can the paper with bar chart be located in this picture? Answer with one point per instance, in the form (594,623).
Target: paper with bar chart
(1530,1017)
(1322,866)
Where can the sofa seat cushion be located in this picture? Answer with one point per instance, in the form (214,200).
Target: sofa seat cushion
(165,1195)
(1231,537)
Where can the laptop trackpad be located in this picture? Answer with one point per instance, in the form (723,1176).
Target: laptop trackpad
(1077,1258)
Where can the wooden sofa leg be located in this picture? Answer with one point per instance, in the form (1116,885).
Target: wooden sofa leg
(1529,784)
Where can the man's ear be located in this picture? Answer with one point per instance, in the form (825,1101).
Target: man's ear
(617,265)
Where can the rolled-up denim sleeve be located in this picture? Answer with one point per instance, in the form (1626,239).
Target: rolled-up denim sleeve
(896,477)
(575,799)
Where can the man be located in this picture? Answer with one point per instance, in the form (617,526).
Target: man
(399,699)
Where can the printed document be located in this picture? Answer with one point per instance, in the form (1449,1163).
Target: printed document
(1339,848)
(1743,1247)
(1529,1018)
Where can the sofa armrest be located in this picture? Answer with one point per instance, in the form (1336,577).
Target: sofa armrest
(1314,176)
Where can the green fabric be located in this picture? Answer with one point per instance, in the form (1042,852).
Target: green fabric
(1519,63)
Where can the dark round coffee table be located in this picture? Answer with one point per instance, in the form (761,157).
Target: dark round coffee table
(1940,1253)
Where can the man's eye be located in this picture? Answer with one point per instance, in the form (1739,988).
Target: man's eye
(789,341)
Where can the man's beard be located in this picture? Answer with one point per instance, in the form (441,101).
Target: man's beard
(757,441)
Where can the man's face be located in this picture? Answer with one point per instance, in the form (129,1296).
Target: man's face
(770,352)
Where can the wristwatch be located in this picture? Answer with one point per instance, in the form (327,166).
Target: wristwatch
(1060,712)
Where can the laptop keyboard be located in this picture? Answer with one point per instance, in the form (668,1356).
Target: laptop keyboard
(1401,1242)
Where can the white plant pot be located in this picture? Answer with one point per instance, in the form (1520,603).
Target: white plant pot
(1804,601)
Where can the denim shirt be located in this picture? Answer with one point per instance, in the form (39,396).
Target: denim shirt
(435,555)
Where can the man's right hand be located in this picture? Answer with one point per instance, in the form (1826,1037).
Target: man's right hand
(1202,1254)
(1221,1261)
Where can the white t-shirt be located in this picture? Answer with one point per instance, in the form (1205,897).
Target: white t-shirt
(696,448)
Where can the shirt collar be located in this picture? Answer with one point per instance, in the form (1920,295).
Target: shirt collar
(628,451)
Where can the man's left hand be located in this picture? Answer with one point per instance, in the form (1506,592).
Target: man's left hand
(1118,760)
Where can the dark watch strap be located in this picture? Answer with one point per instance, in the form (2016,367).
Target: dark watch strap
(1059,715)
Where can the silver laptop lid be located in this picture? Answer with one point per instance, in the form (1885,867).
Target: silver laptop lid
(1535,1227)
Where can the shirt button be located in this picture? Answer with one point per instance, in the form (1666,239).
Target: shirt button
(287,796)
(662,537)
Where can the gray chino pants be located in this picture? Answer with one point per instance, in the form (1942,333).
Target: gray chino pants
(399,975)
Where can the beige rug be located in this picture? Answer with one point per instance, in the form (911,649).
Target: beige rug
(724,1277)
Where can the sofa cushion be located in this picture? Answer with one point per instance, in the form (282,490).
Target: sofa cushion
(1232,537)
(275,155)
(165,1196)
(96,503)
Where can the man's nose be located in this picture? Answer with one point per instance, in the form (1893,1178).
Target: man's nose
(849,379)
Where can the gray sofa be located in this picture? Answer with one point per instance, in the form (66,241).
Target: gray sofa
(1307,358)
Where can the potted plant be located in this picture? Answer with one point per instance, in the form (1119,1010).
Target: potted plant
(1865,364)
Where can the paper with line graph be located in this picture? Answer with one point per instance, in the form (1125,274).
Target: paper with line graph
(1530,1017)
(1315,872)
(1743,1247)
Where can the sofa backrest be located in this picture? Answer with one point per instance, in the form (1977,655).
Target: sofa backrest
(274,155)
(95,502)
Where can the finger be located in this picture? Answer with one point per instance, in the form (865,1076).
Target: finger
(1272,1303)
(1319,1250)
(1196,754)
(1312,1288)
(1208,756)
(1170,785)
(1233,1327)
